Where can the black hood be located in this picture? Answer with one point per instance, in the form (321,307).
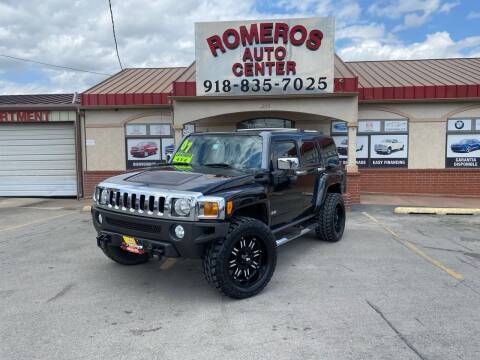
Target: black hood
(202,179)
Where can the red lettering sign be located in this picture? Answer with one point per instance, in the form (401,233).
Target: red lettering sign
(24,116)
(260,60)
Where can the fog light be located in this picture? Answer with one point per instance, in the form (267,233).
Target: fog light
(179,231)
(100,218)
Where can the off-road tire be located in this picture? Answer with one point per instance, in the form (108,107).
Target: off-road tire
(123,257)
(327,228)
(217,253)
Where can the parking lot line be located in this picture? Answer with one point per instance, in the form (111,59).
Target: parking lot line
(35,222)
(168,263)
(416,250)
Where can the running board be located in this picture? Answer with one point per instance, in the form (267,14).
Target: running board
(284,240)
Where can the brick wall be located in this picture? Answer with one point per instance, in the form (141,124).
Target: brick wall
(352,195)
(92,178)
(426,181)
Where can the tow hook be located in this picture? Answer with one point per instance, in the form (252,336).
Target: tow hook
(103,240)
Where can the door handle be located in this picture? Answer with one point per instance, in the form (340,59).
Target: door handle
(321,169)
(300,172)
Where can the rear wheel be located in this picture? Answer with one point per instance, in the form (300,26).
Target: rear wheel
(242,264)
(331,218)
(123,257)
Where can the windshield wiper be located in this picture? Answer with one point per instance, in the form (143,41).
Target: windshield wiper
(222,165)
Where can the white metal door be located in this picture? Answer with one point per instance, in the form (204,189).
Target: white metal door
(37,160)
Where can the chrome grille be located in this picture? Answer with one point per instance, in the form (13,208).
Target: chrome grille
(135,202)
(141,200)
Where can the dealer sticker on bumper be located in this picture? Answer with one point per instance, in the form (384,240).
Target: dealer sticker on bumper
(130,244)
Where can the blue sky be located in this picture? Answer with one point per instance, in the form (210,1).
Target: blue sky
(157,33)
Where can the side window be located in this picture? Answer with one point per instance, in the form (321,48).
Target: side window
(284,149)
(329,152)
(309,153)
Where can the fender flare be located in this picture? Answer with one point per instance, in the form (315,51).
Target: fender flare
(321,189)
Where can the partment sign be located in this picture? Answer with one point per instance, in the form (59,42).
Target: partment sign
(263,57)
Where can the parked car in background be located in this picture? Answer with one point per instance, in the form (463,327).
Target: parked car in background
(144,149)
(343,147)
(387,146)
(466,146)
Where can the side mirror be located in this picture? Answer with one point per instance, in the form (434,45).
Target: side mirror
(288,163)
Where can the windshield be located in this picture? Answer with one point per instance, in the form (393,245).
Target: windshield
(243,152)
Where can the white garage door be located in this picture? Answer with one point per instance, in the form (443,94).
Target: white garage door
(37,160)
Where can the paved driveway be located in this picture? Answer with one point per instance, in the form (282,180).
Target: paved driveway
(396,287)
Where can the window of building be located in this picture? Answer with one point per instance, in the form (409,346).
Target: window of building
(463,143)
(259,123)
(380,143)
(148,144)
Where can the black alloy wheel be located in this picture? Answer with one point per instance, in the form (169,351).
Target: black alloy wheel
(241,264)
(247,261)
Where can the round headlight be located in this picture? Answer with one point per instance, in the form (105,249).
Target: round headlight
(103,196)
(179,231)
(182,207)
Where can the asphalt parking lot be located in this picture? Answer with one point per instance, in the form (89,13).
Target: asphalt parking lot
(396,287)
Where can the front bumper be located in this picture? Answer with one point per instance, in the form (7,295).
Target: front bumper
(157,235)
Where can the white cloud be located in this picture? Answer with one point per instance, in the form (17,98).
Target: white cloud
(473,15)
(414,13)
(445,8)
(437,45)
(371,31)
(154,33)
(13,88)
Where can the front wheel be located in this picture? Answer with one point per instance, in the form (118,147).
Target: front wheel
(331,218)
(242,264)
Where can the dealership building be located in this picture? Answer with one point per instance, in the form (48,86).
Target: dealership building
(401,127)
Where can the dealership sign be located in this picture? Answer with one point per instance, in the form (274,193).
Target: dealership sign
(288,56)
(23,116)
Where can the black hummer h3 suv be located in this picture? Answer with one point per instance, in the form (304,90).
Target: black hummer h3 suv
(229,198)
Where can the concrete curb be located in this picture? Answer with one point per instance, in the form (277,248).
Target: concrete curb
(436,211)
(87,208)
